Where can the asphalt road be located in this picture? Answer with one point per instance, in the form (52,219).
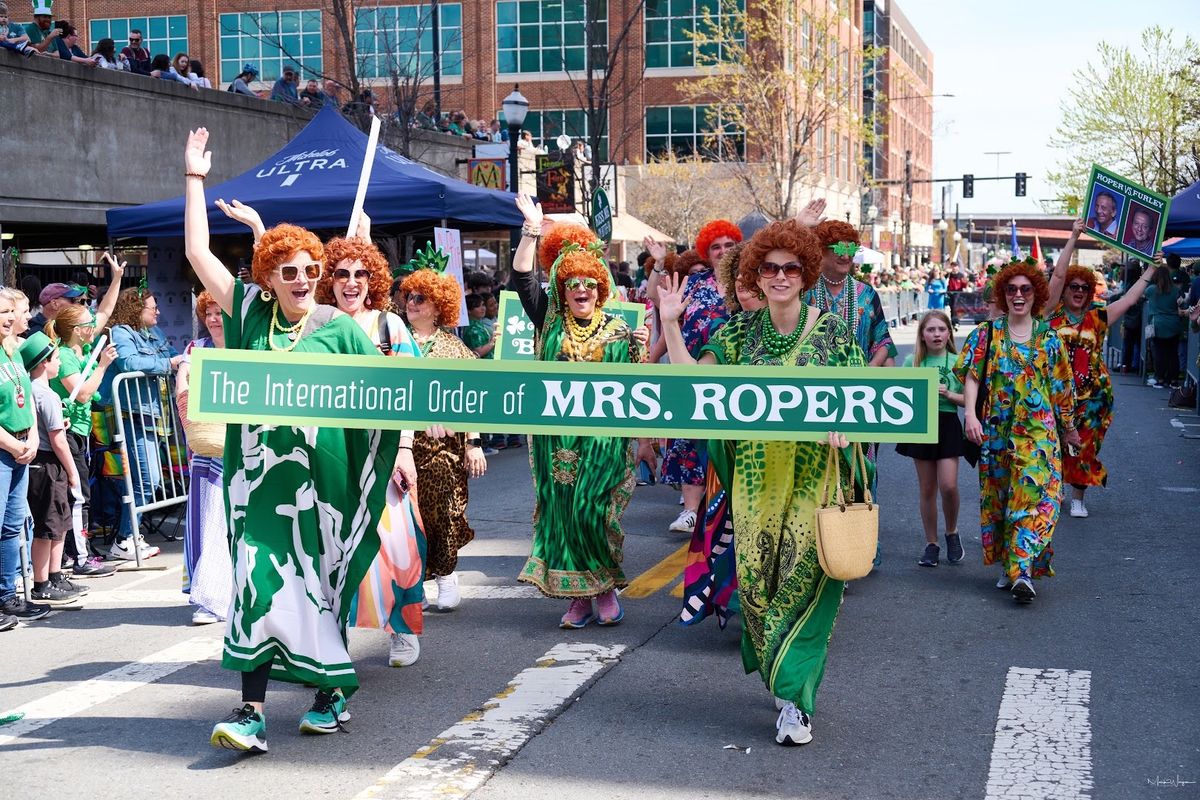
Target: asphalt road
(938,686)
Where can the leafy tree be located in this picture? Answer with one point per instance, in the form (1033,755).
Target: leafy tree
(1134,110)
(677,194)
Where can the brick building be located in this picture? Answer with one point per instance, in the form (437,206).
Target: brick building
(488,46)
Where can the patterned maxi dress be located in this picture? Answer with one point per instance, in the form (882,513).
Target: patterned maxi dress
(1020,467)
(1084,336)
(685,459)
(788,603)
(442,478)
(303,506)
(582,484)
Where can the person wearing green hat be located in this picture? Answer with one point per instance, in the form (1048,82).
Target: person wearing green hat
(52,477)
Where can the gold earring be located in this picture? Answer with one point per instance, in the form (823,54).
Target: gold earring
(266,295)
(761,295)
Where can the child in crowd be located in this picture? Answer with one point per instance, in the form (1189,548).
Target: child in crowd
(937,463)
(13,37)
(52,477)
(476,336)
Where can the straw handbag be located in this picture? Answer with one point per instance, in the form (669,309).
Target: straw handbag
(847,533)
(203,438)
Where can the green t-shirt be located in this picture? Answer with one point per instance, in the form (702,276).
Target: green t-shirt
(944,364)
(476,335)
(16,394)
(78,414)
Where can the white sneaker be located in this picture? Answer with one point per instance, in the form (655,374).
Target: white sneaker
(1004,583)
(202,617)
(684,523)
(122,550)
(780,703)
(1078,509)
(793,726)
(405,650)
(448,597)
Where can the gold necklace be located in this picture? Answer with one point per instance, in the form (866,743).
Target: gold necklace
(581,334)
(293,333)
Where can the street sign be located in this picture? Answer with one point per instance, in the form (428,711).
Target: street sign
(602,220)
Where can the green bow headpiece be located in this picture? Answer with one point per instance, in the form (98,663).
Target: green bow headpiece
(143,286)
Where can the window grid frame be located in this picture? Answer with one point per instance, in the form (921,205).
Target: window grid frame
(547,141)
(424,57)
(562,29)
(696,140)
(673,45)
(151,45)
(270,65)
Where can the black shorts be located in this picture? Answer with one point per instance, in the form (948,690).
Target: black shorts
(49,497)
(949,443)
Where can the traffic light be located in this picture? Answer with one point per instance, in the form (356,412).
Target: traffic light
(1020,184)
(968,186)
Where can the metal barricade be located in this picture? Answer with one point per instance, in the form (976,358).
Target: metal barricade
(148,424)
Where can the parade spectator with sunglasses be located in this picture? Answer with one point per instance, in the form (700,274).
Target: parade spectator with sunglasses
(53,299)
(135,55)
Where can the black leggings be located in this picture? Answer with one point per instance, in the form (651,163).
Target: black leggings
(1166,358)
(254,684)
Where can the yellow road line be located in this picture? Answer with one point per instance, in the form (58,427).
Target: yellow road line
(658,576)
(677,591)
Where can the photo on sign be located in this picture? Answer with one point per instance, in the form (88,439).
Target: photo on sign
(1104,211)
(1141,225)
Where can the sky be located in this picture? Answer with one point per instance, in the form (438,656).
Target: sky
(1008,63)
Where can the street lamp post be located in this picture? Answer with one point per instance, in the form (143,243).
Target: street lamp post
(942,226)
(515,108)
(872,213)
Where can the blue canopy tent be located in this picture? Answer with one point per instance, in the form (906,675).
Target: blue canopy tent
(1184,216)
(1184,248)
(312,182)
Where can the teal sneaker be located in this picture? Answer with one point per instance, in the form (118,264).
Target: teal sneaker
(245,730)
(327,714)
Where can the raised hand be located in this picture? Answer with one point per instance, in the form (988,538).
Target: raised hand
(196,159)
(364,226)
(812,214)
(1076,228)
(240,212)
(532,211)
(672,299)
(657,250)
(117,270)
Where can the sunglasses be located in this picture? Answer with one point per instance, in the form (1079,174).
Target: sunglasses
(844,248)
(135,41)
(575,284)
(80,301)
(416,299)
(1024,289)
(290,273)
(344,275)
(1078,287)
(769,269)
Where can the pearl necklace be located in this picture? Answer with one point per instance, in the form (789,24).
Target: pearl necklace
(293,333)
(775,342)
(833,283)
(827,302)
(581,333)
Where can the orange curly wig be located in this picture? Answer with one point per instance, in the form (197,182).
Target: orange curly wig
(682,264)
(560,233)
(440,289)
(787,235)
(583,265)
(832,231)
(1041,289)
(203,301)
(715,230)
(1085,274)
(355,249)
(277,246)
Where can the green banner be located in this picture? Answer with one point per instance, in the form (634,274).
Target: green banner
(602,218)
(516,332)
(708,402)
(1125,215)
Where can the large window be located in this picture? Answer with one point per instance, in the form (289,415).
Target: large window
(672,24)
(691,130)
(270,41)
(400,38)
(159,34)
(550,35)
(546,126)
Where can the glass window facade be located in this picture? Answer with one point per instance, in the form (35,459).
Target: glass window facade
(549,35)
(548,125)
(689,130)
(159,34)
(271,40)
(671,26)
(400,39)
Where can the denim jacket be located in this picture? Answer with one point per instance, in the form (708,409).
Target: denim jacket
(145,350)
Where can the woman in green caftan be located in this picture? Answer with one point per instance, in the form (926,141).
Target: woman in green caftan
(788,603)
(302,535)
(582,483)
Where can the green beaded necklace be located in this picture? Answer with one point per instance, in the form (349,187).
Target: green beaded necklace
(775,342)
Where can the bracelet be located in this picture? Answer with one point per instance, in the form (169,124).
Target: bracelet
(476,442)
(195,175)
(530,232)
(405,447)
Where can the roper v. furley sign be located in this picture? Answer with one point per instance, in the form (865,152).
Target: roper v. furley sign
(770,403)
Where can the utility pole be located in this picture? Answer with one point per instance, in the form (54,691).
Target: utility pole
(907,204)
(435,18)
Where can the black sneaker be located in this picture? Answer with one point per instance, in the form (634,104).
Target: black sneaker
(54,595)
(930,557)
(17,607)
(954,548)
(8,622)
(61,580)
(1022,590)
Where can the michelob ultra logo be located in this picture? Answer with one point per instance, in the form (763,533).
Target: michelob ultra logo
(712,402)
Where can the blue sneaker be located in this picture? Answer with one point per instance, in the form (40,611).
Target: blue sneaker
(327,714)
(245,730)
